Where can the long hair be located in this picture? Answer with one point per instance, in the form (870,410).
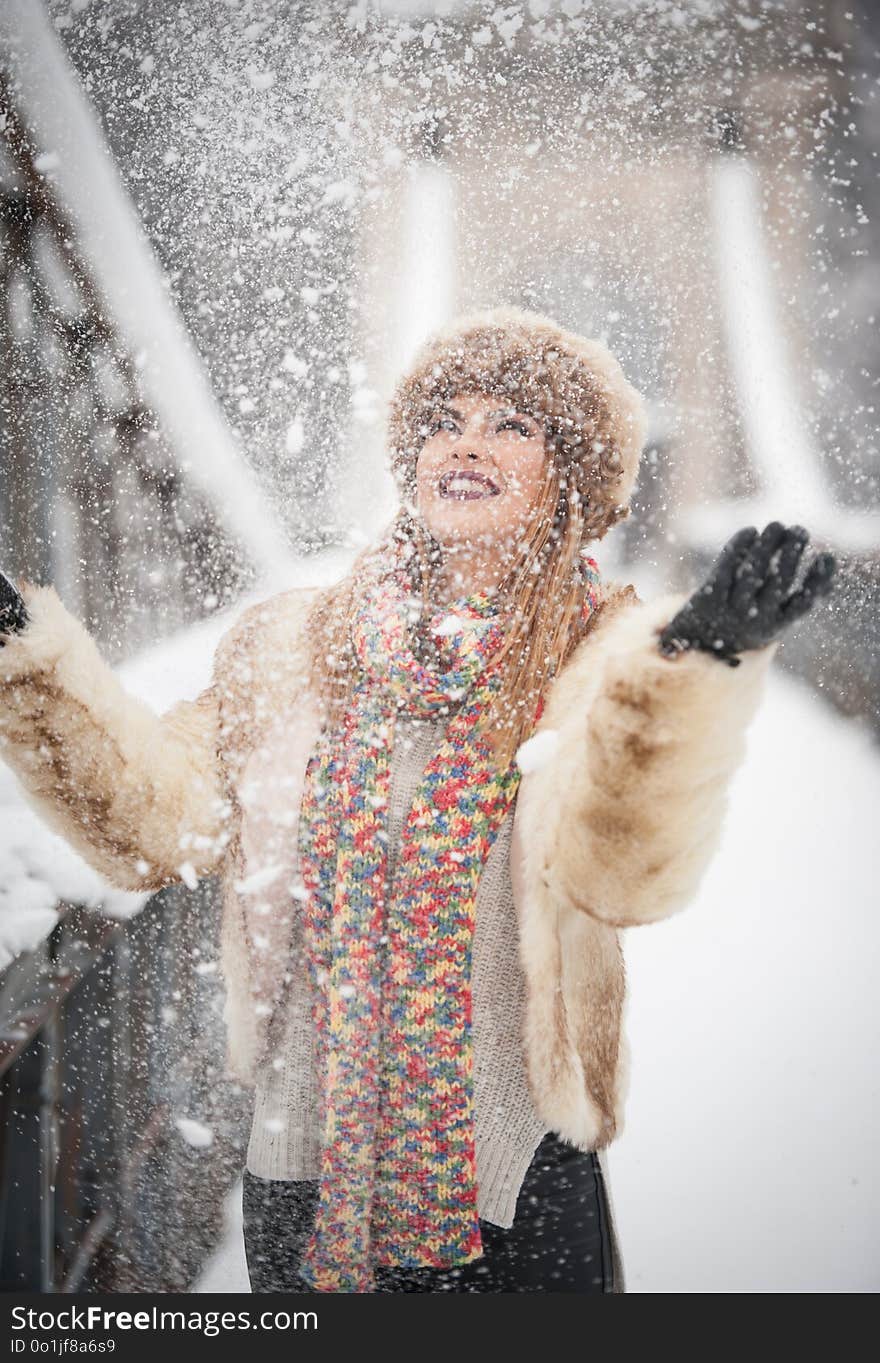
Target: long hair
(540,599)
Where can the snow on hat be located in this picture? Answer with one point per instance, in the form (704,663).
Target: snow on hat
(575,385)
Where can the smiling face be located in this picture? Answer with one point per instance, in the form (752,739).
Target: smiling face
(480,471)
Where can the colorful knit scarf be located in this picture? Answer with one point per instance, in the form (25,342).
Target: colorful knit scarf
(391,966)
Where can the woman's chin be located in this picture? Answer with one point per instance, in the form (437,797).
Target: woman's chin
(467,523)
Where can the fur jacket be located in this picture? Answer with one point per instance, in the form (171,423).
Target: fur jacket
(613,827)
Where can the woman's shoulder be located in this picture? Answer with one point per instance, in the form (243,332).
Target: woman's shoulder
(283,610)
(618,600)
(617,594)
(272,627)
(617,597)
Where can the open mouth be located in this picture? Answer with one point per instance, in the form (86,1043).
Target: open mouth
(467,486)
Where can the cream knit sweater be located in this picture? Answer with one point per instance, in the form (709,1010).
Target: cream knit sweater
(285,1138)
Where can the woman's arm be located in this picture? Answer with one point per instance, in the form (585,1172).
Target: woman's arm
(652,719)
(633,798)
(139,795)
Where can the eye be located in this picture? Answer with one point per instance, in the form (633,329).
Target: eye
(511,423)
(441,423)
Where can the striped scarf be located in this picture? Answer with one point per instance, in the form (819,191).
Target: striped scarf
(391,966)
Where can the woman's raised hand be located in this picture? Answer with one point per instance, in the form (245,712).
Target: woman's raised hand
(13,613)
(746,600)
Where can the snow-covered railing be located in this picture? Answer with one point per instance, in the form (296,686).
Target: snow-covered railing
(80,175)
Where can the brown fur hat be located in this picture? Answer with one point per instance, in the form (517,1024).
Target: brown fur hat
(593,416)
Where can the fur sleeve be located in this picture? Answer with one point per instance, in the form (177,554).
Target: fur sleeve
(628,812)
(137,794)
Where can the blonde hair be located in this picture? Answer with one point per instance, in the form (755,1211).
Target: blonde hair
(540,600)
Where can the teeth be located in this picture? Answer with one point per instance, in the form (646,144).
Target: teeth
(466,485)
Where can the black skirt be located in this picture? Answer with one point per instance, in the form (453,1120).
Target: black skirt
(560,1240)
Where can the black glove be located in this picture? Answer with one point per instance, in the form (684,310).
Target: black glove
(744,602)
(13,613)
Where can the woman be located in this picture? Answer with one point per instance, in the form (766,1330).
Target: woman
(436,791)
